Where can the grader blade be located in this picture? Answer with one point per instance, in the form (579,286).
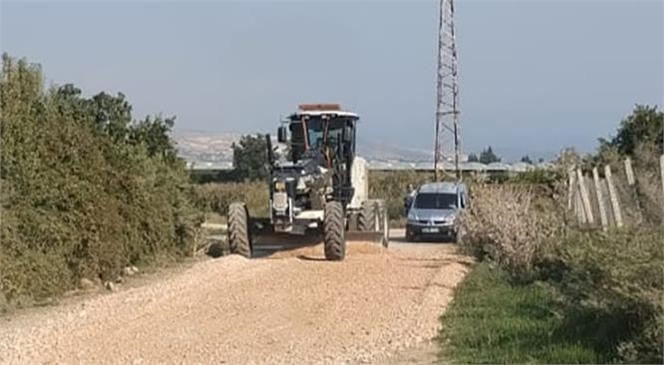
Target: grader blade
(360,236)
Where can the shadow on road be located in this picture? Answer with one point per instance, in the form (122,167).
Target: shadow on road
(309,258)
(267,246)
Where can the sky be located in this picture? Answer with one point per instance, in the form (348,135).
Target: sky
(533,76)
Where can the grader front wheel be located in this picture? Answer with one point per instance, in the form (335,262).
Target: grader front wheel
(239,238)
(333,232)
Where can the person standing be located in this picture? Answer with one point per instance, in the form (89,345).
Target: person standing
(408,198)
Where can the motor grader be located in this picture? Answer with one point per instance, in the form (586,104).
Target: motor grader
(319,188)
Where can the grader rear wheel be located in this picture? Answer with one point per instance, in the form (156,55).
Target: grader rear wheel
(369,216)
(374,218)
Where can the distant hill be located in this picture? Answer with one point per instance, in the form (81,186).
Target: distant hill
(208,147)
(200,146)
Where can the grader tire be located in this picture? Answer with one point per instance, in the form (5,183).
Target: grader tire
(333,232)
(239,239)
(368,216)
(373,218)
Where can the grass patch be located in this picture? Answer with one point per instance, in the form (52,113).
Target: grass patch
(494,322)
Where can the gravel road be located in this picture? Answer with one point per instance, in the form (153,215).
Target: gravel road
(290,307)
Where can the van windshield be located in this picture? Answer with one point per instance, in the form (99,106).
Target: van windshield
(436,201)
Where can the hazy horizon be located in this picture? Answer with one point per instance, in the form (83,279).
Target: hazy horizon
(534,77)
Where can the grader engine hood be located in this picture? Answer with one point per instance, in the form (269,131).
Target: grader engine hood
(306,176)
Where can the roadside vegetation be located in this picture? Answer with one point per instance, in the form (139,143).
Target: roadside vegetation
(86,188)
(550,290)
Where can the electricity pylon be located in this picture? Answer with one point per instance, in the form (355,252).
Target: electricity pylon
(447,146)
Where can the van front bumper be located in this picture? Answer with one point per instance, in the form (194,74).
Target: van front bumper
(447,231)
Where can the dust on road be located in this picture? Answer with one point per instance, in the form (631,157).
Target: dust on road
(289,308)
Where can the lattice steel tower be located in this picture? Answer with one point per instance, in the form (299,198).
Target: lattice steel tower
(447,146)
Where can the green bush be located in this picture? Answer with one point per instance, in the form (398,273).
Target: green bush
(614,282)
(86,190)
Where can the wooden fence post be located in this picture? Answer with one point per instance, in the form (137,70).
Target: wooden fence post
(631,181)
(600,200)
(584,197)
(570,190)
(613,197)
(578,205)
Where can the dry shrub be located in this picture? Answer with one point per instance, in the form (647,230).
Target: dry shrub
(509,224)
(391,186)
(216,197)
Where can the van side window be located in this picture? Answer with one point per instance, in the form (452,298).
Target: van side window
(463,201)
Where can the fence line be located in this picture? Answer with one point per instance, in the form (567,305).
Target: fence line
(588,200)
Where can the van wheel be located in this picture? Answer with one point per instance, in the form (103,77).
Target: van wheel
(410,237)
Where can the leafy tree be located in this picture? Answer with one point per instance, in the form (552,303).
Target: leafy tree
(250,160)
(644,126)
(488,156)
(639,136)
(473,158)
(526,159)
(153,133)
